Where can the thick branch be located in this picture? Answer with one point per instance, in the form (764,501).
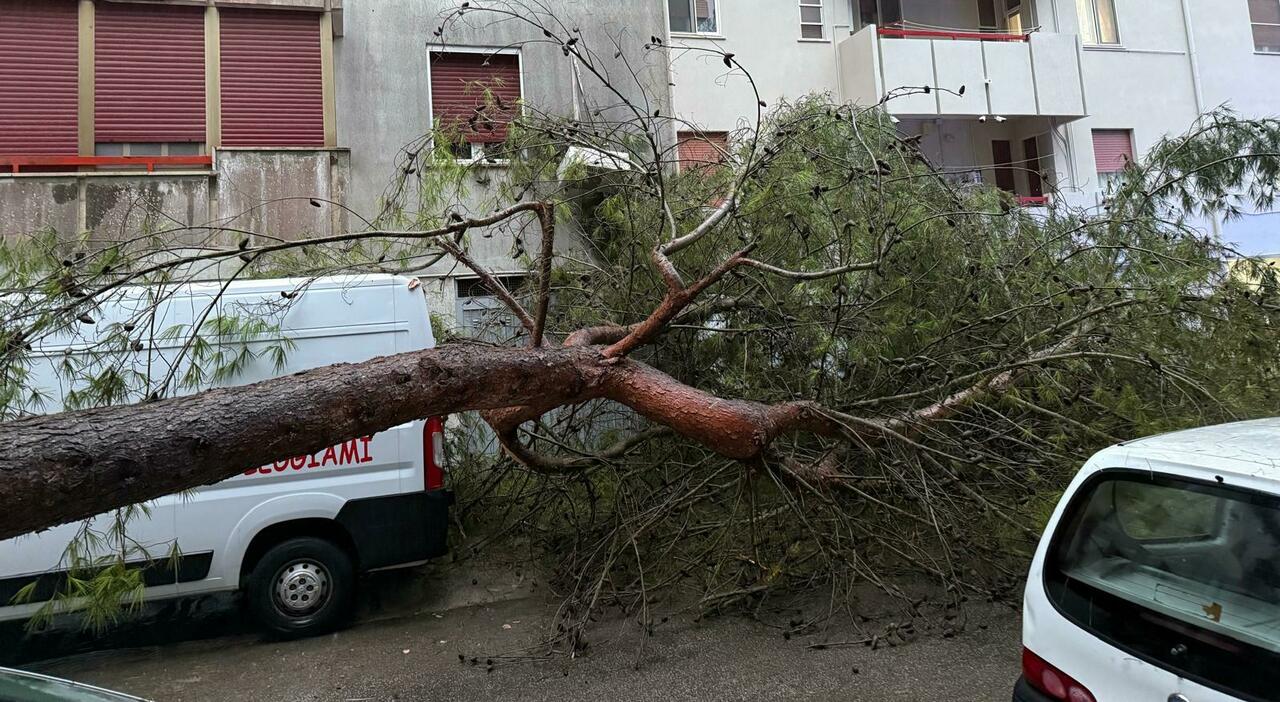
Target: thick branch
(64,467)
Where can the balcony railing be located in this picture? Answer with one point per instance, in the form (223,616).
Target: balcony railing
(1004,75)
(45,163)
(954,35)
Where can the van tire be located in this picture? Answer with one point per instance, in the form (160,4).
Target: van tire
(282,589)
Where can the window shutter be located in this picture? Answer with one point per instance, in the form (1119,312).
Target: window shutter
(701,149)
(149,73)
(272,85)
(459,82)
(39,79)
(1112,149)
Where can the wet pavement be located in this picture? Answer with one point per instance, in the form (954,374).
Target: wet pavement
(415,627)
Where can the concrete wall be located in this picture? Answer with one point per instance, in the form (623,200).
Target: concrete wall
(764,35)
(270,192)
(383,85)
(267,192)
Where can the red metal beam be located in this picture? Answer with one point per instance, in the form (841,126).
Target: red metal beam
(1034,201)
(16,163)
(943,34)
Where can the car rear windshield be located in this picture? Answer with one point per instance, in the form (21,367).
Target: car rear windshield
(1183,574)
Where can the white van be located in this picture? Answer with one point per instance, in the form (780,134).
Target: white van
(1158,577)
(291,534)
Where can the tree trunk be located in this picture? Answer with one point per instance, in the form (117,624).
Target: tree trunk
(64,467)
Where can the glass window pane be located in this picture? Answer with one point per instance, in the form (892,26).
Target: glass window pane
(145,149)
(1088,21)
(811,15)
(1108,33)
(106,149)
(1266,37)
(184,149)
(987,14)
(1266,11)
(811,31)
(706,15)
(681,15)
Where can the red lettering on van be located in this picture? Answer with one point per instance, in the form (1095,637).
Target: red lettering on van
(348,453)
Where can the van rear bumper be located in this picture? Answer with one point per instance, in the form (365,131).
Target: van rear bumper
(397,529)
(1023,692)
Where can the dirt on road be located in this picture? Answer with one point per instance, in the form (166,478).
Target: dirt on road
(415,655)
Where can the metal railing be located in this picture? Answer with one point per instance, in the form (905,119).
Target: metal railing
(17,163)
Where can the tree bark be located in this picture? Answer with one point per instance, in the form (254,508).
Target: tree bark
(64,467)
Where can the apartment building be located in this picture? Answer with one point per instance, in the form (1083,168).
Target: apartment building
(1058,93)
(282,117)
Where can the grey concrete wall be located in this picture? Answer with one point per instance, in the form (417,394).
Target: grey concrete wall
(382,69)
(270,191)
(30,203)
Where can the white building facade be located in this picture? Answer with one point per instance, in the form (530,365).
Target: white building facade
(1058,93)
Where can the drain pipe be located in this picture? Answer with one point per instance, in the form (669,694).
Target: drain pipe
(1193,59)
(1198,89)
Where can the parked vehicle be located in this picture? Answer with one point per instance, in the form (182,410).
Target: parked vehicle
(292,534)
(1158,577)
(21,686)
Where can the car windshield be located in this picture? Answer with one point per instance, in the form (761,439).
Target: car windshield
(18,686)
(1185,574)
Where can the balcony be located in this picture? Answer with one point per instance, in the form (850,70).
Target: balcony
(1033,74)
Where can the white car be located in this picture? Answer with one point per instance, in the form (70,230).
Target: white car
(1158,577)
(291,534)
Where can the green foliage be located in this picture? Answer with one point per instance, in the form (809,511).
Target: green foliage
(1121,323)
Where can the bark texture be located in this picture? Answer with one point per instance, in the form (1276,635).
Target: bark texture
(64,467)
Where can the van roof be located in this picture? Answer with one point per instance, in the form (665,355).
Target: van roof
(1246,448)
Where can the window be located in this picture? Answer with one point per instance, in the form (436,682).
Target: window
(811,24)
(884,13)
(474,98)
(149,73)
(1265,16)
(694,16)
(272,89)
(38,54)
(184,148)
(1002,160)
(1112,151)
(1180,573)
(1013,17)
(1098,22)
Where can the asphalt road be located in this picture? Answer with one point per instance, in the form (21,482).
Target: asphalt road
(400,653)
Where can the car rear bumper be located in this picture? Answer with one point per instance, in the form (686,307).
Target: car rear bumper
(1023,692)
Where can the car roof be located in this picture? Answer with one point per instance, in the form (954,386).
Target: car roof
(1246,448)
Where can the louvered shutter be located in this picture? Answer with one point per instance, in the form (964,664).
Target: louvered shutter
(39,78)
(272,84)
(1112,149)
(476,94)
(149,73)
(701,149)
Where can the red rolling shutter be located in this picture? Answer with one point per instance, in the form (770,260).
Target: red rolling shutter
(272,86)
(1112,149)
(701,149)
(150,73)
(459,83)
(39,79)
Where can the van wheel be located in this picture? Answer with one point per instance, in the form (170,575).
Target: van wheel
(301,587)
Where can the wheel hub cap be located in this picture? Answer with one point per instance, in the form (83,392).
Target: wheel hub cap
(301,587)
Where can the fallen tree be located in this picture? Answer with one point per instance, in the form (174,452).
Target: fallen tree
(865,361)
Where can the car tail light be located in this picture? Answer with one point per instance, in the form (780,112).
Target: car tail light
(1051,681)
(433,452)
